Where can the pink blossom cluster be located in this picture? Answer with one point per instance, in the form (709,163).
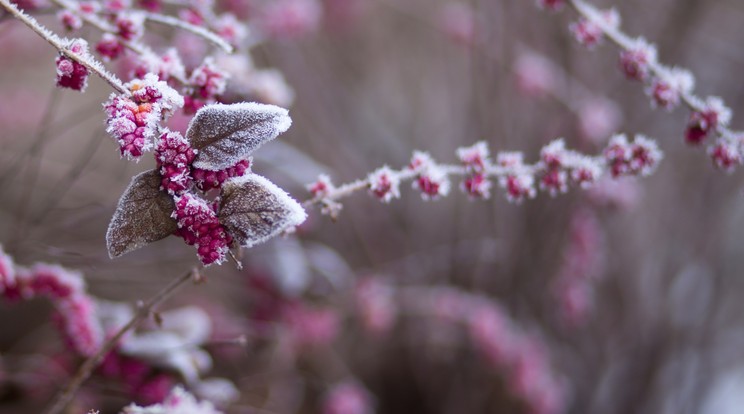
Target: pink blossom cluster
(557,168)
(206,83)
(519,356)
(142,381)
(347,398)
(640,157)
(310,326)
(174,156)
(133,121)
(289,18)
(431,179)
(375,304)
(198,225)
(168,67)
(72,74)
(75,309)
(589,33)
(582,265)
(551,4)
(668,87)
(197,220)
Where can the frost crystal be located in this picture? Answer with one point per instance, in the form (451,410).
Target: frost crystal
(254,210)
(384,184)
(637,60)
(178,402)
(71,74)
(227,134)
(198,225)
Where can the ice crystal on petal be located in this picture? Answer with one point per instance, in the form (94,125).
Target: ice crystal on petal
(726,153)
(55,281)
(384,184)
(207,180)
(667,89)
(321,187)
(71,74)
(198,225)
(636,61)
(475,157)
(80,325)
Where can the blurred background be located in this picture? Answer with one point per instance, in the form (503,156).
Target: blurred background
(625,298)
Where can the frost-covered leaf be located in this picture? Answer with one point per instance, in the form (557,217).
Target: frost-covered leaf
(253,209)
(227,134)
(142,217)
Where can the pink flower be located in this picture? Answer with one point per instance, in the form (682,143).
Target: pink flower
(311,327)
(535,74)
(701,123)
(384,184)
(347,398)
(726,154)
(198,225)
(69,20)
(638,158)
(290,18)
(375,304)
(637,60)
(109,47)
(71,74)
(206,180)
(321,187)
(551,4)
(79,324)
(431,179)
(589,33)
(457,21)
(666,90)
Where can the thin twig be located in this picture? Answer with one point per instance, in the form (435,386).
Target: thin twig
(197,30)
(64,398)
(59,44)
(625,42)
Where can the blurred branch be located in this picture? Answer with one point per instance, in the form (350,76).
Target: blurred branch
(144,310)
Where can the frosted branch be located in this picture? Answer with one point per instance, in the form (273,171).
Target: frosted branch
(60,44)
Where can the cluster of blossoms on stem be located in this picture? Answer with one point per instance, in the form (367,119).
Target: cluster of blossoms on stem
(582,265)
(589,33)
(557,168)
(206,83)
(214,152)
(70,73)
(375,305)
(75,309)
(347,398)
(668,87)
(133,121)
(517,355)
(198,225)
(147,363)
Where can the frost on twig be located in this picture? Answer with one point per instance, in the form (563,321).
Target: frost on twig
(557,168)
(667,86)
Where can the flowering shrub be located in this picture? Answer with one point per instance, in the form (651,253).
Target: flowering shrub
(479,297)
